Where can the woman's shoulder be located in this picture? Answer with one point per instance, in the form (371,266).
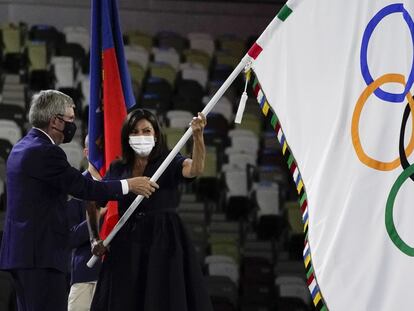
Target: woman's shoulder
(180,158)
(177,158)
(117,168)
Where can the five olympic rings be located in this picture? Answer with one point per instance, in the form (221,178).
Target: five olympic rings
(374,87)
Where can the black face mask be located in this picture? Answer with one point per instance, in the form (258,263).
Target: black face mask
(68,131)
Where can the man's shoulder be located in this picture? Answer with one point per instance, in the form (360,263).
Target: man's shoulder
(38,146)
(33,149)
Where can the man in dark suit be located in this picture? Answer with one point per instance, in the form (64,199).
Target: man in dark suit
(39,180)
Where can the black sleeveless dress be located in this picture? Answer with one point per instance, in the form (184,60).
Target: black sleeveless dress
(152,264)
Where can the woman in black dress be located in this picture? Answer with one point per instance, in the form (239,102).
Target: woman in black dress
(151,264)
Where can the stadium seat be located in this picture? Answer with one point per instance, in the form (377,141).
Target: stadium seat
(155,103)
(37,55)
(293,287)
(14,94)
(187,103)
(137,54)
(179,118)
(189,89)
(47,34)
(138,74)
(251,122)
(202,42)
(232,45)
(10,131)
(159,86)
(12,39)
(164,71)
(77,34)
(223,293)
(74,50)
(196,72)
(167,55)
(64,71)
(223,107)
(197,57)
(226,58)
(14,113)
(136,37)
(40,80)
(169,39)
(224,267)
(172,136)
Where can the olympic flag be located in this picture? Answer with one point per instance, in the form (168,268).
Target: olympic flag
(335,79)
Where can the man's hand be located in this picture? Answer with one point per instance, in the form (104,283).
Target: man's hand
(142,185)
(97,248)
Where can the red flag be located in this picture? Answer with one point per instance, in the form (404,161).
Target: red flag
(110,94)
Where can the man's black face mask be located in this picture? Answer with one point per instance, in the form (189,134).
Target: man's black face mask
(68,131)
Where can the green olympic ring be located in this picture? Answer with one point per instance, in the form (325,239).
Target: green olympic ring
(389,218)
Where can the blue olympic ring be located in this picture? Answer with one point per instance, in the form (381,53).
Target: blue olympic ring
(393,8)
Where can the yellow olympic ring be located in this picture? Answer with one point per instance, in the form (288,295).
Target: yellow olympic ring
(363,157)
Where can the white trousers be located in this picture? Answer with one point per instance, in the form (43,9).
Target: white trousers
(80,296)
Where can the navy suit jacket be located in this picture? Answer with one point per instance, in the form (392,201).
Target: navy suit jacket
(39,179)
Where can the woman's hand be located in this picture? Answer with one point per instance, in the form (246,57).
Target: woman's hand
(195,166)
(198,124)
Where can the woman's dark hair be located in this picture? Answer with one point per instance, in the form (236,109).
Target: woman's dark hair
(128,154)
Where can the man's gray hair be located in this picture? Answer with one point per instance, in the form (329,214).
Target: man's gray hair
(47,104)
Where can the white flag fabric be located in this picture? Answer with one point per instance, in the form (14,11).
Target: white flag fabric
(335,79)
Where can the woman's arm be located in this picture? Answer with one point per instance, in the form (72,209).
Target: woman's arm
(195,166)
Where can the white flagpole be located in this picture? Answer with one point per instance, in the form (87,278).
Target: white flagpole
(245,60)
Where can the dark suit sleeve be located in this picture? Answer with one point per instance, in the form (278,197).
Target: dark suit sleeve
(78,233)
(114,172)
(51,166)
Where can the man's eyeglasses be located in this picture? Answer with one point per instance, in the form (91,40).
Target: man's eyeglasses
(61,117)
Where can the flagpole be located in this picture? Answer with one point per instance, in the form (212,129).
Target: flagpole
(243,63)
